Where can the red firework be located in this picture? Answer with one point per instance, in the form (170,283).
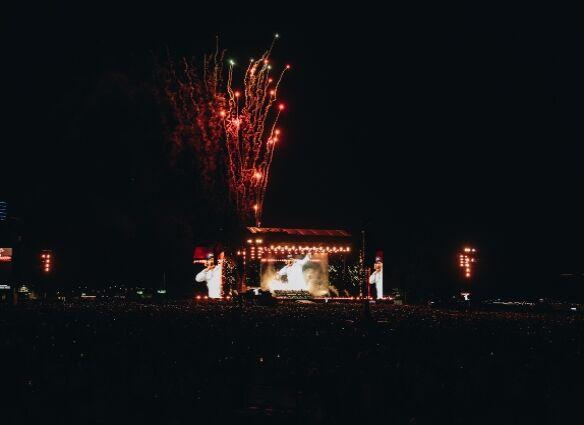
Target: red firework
(241,125)
(196,97)
(251,134)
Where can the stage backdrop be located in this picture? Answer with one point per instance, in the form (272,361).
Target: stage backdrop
(305,273)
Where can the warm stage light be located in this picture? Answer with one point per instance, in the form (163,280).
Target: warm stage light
(281,106)
(466,261)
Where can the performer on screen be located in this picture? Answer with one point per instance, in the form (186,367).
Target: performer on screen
(376,277)
(292,271)
(212,274)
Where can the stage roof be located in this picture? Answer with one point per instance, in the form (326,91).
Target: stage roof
(302,232)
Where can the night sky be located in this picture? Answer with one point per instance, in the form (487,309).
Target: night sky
(435,126)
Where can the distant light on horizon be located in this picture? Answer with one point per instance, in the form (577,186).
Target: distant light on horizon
(3,210)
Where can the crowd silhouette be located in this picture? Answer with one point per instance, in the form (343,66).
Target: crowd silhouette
(193,362)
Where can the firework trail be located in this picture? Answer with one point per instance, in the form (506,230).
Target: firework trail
(196,97)
(251,135)
(229,127)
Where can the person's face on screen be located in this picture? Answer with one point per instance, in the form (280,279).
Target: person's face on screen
(312,276)
(378,266)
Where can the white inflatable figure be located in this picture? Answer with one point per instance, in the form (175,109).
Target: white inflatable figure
(376,277)
(293,272)
(212,274)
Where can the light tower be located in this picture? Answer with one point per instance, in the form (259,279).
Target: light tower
(467,259)
(3,210)
(46,261)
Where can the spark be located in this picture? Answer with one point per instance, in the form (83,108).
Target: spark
(251,135)
(198,102)
(231,128)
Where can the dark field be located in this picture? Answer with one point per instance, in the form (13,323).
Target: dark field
(186,363)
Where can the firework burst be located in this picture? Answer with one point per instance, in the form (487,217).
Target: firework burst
(196,97)
(250,120)
(234,128)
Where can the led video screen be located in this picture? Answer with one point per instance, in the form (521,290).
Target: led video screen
(308,272)
(5,255)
